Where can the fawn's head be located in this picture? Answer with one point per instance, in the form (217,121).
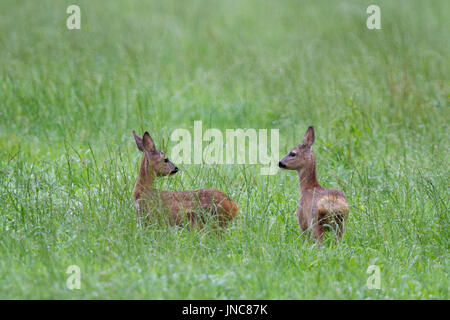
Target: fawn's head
(156,162)
(300,156)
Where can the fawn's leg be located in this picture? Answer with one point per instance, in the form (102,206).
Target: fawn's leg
(192,220)
(340,228)
(318,231)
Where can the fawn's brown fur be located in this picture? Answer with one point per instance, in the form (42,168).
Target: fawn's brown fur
(194,206)
(318,207)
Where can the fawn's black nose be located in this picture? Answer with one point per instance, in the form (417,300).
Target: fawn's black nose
(281,165)
(176,169)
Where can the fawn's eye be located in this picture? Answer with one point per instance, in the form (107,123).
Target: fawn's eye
(166,160)
(292,154)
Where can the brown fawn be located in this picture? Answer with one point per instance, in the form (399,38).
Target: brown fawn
(318,207)
(193,206)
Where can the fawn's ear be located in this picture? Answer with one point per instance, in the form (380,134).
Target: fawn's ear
(139,142)
(308,138)
(149,145)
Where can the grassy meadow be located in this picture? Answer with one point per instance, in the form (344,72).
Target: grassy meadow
(69,100)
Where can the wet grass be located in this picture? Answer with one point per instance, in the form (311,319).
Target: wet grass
(69,100)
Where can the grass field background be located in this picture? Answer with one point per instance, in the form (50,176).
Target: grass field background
(379,101)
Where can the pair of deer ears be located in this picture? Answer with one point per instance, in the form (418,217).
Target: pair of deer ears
(308,138)
(145,143)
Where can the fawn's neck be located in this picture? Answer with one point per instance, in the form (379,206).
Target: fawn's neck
(307,177)
(145,180)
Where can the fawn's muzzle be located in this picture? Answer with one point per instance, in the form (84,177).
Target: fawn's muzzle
(281,165)
(175,170)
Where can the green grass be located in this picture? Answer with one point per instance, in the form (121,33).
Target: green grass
(379,100)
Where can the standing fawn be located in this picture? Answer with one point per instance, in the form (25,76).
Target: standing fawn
(193,206)
(318,207)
